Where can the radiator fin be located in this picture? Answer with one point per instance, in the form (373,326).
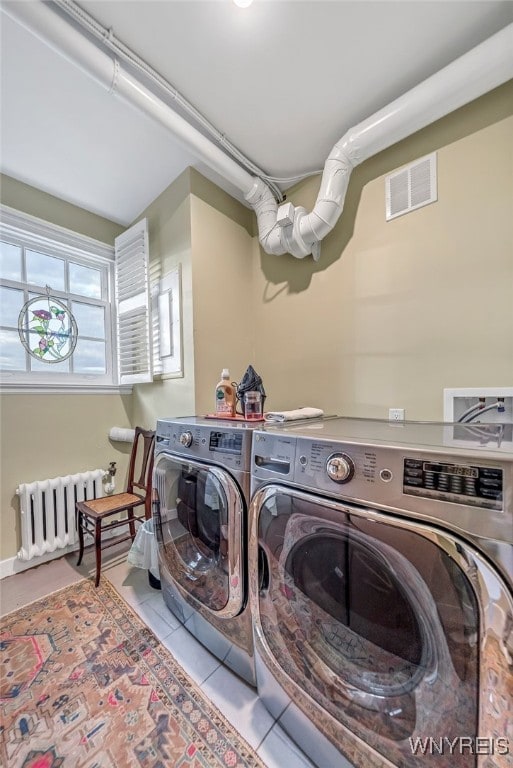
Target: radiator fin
(48,511)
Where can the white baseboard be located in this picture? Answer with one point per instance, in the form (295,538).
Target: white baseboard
(14,565)
(7,567)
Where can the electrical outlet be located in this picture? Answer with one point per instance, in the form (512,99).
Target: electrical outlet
(396,414)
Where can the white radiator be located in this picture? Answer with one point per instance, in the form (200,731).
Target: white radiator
(48,511)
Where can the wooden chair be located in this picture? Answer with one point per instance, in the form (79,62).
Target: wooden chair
(92,514)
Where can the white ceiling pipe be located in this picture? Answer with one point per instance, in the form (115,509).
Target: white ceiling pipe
(57,34)
(68,42)
(477,72)
(480,70)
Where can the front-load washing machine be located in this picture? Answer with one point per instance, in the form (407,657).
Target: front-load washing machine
(381,587)
(201,498)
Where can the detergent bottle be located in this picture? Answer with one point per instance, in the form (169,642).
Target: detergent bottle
(225,396)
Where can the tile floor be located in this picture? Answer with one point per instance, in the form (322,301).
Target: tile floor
(238,701)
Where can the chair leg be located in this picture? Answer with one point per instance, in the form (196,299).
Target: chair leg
(98,549)
(131,523)
(80,538)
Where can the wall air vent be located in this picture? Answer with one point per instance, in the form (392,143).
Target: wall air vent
(411,187)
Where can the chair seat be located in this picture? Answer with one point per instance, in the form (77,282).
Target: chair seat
(90,514)
(107,505)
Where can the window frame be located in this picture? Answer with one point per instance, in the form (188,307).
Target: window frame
(167,334)
(32,233)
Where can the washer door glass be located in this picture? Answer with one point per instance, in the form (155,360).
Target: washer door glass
(200,511)
(374,621)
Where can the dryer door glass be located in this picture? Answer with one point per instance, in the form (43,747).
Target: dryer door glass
(199,531)
(375,622)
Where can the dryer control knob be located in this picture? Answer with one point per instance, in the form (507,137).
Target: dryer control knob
(185,439)
(340,468)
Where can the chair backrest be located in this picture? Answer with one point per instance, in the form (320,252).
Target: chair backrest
(141,462)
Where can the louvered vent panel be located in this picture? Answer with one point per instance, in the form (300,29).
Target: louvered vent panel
(131,272)
(133,303)
(420,181)
(411,187)
(133,342)
(399,193)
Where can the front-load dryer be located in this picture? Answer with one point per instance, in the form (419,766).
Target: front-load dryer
(201,498)
(381,587)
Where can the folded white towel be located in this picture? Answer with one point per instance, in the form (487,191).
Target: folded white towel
(298,413)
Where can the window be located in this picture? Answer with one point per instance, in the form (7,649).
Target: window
(40,259)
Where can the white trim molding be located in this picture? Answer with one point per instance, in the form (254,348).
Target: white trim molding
(16,223)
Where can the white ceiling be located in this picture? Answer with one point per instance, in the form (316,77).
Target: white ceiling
(283,80)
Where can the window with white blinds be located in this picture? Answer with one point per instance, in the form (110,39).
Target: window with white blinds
(133,305)
(106,289)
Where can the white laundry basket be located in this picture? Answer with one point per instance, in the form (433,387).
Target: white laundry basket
(144,552)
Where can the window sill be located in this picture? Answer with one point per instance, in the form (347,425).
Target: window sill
(164,376)
(64,389)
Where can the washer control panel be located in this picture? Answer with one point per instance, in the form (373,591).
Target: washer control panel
(470,493)
(460,483)
(216,443)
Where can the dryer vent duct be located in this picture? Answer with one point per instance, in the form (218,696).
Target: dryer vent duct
(290,229)
(286,229)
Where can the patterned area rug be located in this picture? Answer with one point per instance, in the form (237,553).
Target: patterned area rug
(84,682)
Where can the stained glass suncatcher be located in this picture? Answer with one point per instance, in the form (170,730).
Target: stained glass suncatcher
(47,329)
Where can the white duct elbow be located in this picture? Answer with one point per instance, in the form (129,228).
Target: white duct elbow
(332,193)
(265,206)
(298,232)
